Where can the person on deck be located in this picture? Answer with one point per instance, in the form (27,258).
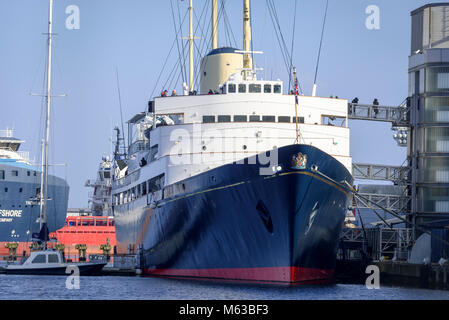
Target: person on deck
(375,108)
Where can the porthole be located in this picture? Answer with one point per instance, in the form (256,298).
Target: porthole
(204,148)
(244,147)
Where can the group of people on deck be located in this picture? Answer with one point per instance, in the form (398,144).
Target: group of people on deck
(164,93)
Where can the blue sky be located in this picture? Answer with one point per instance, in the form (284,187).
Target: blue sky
(135,36)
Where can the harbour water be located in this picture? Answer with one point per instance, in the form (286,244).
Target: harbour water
(143,288)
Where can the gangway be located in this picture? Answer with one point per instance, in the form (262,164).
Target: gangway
(395,174)
(398,116)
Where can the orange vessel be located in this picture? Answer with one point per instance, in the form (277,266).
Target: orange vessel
(93,231)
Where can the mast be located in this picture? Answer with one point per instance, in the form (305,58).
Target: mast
(296,104)
(41,194)
(214,24)
(47,116)
(247,60)
(191,46)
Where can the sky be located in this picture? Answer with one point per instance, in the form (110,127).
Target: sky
(133,38)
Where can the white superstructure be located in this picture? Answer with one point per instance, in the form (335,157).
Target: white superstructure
(248,118)
(182,136)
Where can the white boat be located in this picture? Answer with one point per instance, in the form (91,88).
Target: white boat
(51,262)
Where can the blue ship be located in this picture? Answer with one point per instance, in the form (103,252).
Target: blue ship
(236,182)
(20,189)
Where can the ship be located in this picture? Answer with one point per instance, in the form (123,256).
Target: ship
(92,232)
(100,197)
(238,181)
(93,228)
(20,197)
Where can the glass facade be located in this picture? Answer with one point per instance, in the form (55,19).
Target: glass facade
(437,140)
(437,79)
(435,200)
(436,170)
(436,109)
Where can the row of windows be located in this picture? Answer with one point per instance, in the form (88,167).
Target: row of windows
(91,223)
(14,173)
(52,258)
(252,118)
(253,88)
(38,190)
(150,186)
(91,231)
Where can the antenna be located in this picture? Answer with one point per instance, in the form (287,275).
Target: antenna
(319,51)
(121,112)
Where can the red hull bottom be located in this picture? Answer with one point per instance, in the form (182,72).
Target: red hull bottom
(274,275)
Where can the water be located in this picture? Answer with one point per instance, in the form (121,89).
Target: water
(18,287)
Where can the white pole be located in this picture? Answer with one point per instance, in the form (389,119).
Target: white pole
(314,90)
(41,192)
(47,124)
(191,46)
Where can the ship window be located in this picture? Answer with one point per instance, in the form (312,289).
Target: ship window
(15,173)
(277,88)
(107,174)
(35,173)
(156,183)
(40,258)
(300,119)
(133,193)
(242,88)
(333,121)
(254,118)
(138,191)
(53,258)
(224,118)
(144,188)
(2,174)
(240,118)
(71,223)
(153,152)
(28,173)
(20,190)
(100,223)
(267,88)
(283,119)
(268,118)
(231,88)
(208,119)
(6,189)
(255,88)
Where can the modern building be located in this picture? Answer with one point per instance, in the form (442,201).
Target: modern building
(428,140)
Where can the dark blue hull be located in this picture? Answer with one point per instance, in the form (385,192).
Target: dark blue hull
(19,214)
(231,223)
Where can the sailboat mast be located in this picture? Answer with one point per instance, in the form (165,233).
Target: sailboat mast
(247,60)
(214,24)
(47,116)
(41,190)
(191,46)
